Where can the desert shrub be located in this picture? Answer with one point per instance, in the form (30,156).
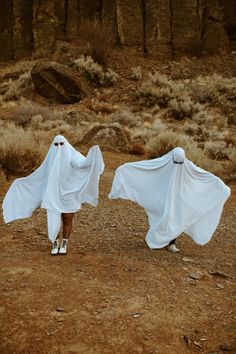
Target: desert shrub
(96,39)
(23,114)
(19,151)
(94,72)
(125,118)
(166,141)
(160,90)
(180,109)
(15,88)
(218,150)
(221,90)
(136,73)
(200,93)
(15,70)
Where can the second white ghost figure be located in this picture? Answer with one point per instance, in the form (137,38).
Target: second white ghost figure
(177,196)
(64,181)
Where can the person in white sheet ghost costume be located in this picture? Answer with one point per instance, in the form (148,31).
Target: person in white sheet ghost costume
(177,196)
(64,181)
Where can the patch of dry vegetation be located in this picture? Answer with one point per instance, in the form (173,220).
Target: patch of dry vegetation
(14,89)
(94,72)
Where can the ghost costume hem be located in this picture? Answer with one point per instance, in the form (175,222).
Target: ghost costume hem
(61,184)
(177,196)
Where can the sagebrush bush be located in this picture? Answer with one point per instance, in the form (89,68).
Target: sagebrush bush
(23,114)
(15,88)
(180,109)
(218,150)
(136,73)
(125,118)
(94,72)
(19,151)
(166,141)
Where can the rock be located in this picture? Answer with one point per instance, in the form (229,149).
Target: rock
(215,40)
(60,309)
(226,347)
(154,26)
(187,33)
(157,27)
(196,275)
(219,274)
(136,315)
(220,286)
(59,83)
(232,119)
(108,137)
(186,259)
(130,23)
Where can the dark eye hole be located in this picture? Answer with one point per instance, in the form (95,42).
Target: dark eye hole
(61,143)
(56,144)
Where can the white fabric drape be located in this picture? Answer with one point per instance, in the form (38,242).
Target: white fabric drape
(64,181)
(177,196)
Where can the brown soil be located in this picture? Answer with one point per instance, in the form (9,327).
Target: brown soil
(110,293)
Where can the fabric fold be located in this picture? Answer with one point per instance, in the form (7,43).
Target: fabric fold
(177,196)
(61,184)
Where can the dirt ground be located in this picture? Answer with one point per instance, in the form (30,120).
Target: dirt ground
(110,293)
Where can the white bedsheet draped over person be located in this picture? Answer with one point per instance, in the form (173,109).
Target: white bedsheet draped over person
(64,181)
(177,196)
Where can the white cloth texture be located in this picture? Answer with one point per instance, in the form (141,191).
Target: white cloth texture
(61,184)
(177,195)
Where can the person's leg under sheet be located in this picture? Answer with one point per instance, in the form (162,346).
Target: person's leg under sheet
(54,224)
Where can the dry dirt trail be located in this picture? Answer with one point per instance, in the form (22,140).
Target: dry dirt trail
(111,294)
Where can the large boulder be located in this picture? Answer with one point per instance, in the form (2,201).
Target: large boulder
(59,83)
(215,40)
(109,138)
(157,27)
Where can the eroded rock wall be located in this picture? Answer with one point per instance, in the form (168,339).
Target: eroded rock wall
(160,27)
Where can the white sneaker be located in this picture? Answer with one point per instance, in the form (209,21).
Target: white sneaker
(173,248)
(55,248)
(63,247)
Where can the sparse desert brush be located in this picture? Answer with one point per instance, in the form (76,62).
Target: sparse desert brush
(125,118)
(14,71)
(101,107)
(23,114)
(15,88)
(136,73)
(143,134)
(94,72)
(221,90)
(166,141)
(198,132)
(160,90)
(159,125)
(19,151)
(180,109)
(218,150)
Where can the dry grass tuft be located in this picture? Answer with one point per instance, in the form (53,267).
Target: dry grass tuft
(136,73)
(19,151)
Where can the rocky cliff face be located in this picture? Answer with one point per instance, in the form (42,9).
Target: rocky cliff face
(160,27)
